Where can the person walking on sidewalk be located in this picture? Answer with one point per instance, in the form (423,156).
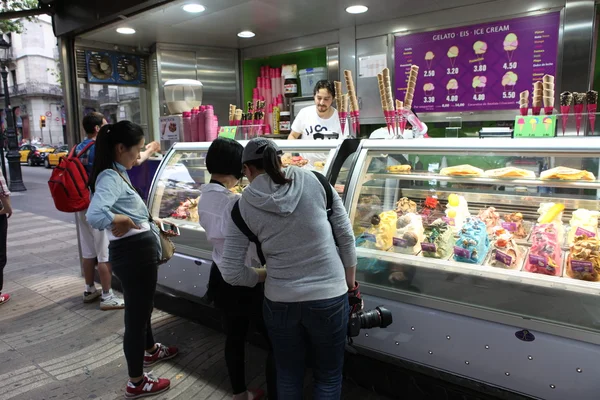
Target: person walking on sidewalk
(134,249)
(309,283)
(5,214)
(94,243)
(241,306)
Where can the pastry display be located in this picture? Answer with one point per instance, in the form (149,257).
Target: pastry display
(405,206)
(583,223)
(437,241)
(287,159)
(514,224)
(490,218)
(545,254)
(462,170)
(457,211)
(509,172)
(552,213)
(505,253)
(473,242)
(569,174)
(409,233)
(399,169)
(583,261)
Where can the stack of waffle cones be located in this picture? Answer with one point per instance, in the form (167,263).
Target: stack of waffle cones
(387,100)
(538,95)
(355,113)
(524,102)
(232,108)
(342,105)
(412,84)
(548,85)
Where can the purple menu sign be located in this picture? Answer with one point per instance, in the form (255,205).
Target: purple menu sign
(478,67)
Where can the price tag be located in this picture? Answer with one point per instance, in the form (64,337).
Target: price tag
(582,266)
(510,226)
(400,242)
(460,252)
(541,262)
(503,258)
(429,247)
(584,232)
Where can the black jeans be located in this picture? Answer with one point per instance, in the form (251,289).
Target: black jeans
(134,261)
(242,308)
(3,235)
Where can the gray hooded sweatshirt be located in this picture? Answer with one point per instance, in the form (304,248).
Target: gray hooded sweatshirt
(291,223)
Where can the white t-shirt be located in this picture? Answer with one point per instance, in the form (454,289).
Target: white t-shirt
(308,123)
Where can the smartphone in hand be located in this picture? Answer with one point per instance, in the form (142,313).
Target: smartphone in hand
(166,227)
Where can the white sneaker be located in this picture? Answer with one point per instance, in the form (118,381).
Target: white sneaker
(112,302)
(89,297)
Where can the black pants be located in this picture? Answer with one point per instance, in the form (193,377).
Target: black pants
(134,261)
(3,235)
(242,308)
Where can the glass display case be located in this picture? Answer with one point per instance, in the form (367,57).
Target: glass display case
(502,231)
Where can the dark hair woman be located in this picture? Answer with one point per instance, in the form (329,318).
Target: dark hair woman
(241,306)
(306,306)
(134,249)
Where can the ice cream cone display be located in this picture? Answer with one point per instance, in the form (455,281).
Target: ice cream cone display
(521,124)
(383,95)
(480,48)
(534,123)
(591,98)
(566,99)
(338,94)
(452,54)
(355,114)
(511,42)
(548,92)
(429,56)
(479,83)
(344,111)
(400,120)
(509,81)
(428,88)
(412,83)
(538,95)
(578,100)
(452,87)
(524,102)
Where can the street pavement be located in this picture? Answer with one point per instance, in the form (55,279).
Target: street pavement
(53,346)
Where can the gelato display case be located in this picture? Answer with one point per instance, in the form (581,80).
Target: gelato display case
(502,242)
(174,195)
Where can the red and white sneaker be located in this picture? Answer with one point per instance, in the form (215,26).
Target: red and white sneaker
(4,298)
(162,353)
(149,387)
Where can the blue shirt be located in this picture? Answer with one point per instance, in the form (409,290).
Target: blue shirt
(114,196)
(87,159)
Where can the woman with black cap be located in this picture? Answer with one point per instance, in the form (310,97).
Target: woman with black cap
(306,306)
(241,306)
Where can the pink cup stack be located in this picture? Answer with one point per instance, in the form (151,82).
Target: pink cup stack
(201,124)
(187,126)
(194,125)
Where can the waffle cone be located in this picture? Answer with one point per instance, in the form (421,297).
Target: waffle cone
(548,101)
(548,79)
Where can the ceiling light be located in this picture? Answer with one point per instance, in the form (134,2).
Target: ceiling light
(193,8)
(246,34)
(401,30)
(126,31)
(357,9)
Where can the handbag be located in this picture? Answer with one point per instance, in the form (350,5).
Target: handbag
(167,247)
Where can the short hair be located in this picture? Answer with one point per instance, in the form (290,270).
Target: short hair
(325,84)
(225,157)
(91,121)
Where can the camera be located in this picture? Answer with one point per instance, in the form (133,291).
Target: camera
(380,317)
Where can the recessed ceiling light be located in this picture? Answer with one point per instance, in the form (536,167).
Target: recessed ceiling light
(246,34)
(126,31)
(357,9)
(401,30)
(193,8)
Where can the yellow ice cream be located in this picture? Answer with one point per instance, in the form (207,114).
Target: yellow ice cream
(429,56)
(480,47)
(583,223)
(453,52)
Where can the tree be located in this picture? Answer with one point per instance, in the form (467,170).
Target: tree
(15,25)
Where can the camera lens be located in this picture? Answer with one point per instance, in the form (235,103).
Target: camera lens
(380,317)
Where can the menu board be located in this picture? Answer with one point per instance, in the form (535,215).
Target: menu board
(478,67)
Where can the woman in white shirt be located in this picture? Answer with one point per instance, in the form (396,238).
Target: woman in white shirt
(241,306)
(321,120)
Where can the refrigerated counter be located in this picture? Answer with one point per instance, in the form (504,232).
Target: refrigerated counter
(525,327)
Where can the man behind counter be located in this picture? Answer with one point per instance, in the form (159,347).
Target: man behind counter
(321,119)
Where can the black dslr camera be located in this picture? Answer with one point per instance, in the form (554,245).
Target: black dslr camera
(380,317)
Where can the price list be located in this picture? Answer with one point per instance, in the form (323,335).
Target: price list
(479,67)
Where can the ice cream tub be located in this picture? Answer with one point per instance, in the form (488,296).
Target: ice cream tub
(584,268)
(498,258)
(512,228)
(531,258)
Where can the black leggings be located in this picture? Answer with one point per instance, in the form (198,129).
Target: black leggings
(134,261)
(242,308)
(3,235)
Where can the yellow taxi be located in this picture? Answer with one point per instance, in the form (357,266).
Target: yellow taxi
(34,155)
(54,158)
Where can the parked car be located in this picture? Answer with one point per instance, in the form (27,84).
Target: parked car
(54,158)
(34,155)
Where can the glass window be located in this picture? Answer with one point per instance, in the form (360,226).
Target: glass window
(505,233)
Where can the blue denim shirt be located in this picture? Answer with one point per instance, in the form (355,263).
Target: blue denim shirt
(114,196)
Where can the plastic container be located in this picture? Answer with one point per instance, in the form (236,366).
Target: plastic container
(309,78)
(182,95)
(187,126)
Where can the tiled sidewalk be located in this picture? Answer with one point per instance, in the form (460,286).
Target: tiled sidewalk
(52,346)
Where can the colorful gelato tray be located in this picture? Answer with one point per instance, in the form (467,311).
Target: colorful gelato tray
(582,261)
(537,265)
(500,258)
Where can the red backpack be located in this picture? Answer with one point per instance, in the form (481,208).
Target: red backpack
(69,183)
